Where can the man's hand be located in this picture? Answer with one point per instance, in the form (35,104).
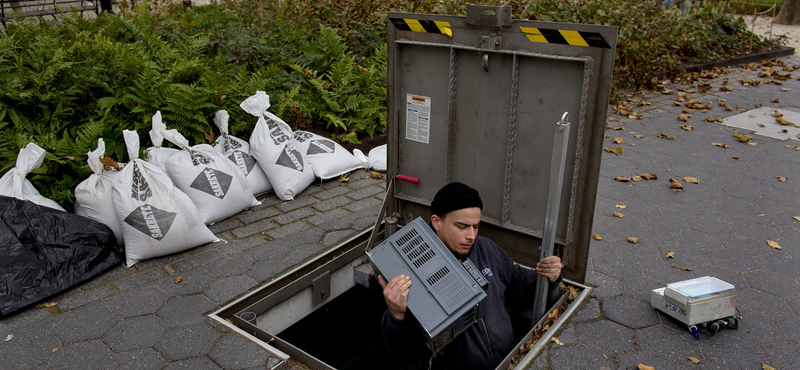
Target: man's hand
(549,267)
(395,292)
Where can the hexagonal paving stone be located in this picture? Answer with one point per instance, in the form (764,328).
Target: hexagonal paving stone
(88,323)
(236,352)
(138,359)
(668,342)
(630,312)
(185,310)
(91,354)
(194,281)
(135,333)
(605,286)
(197,363)
(577,357)
(225,289)
(771,282)
(27,350)
(189,341)
(137,302)
(606,336)
(729,351)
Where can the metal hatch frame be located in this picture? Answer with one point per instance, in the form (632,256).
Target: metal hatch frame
(470,70)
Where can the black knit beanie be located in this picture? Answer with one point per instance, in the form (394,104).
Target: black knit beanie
(455,196)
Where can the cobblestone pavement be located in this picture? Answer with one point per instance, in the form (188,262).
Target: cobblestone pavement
(140,318)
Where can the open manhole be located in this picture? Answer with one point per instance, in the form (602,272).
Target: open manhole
(320,316)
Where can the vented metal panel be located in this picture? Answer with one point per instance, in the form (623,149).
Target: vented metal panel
(443,297)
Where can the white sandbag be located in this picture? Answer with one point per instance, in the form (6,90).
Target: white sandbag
(377,158)
(326,157)
(215,185)
(157,155)
(94,196)
(238,151)
(156,217)
(361,158)
(14,184)
(276,151)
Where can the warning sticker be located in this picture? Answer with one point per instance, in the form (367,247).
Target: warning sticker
(418,113)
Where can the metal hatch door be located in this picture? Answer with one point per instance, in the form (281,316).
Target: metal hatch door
(476,99)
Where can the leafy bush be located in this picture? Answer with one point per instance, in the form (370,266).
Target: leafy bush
(69,82)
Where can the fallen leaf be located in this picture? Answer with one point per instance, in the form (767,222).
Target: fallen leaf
(618,215)
(766,367)
(644,367)
(774,244)
(606,136)
(636,178)
(648,176)
(736,157)
(9,337)
(665,136)
(616,127)
(721,145)
(775,100)
(691,180)
(618,140)
(46,305)
(780,178)
(169,269)
(777,113)
(605,357)
(687,127)
(684,117)
(675,185)
(694,360)
(622,179)
(632,239)
(742,138)
(110,163)
(617,150)
(621,206)
(796,218)
(599,238)
(671,254)
(556,341)
(178,280)
(54,350)
(783,121)
(638,136)
(785,89)
(344,178)
(209,136)
(685,268)
(377,175)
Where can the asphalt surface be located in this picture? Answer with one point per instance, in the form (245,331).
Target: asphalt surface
(144,317)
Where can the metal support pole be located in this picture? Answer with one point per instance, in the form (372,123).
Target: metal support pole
(557,162)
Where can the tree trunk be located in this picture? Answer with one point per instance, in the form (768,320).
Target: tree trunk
(790,13)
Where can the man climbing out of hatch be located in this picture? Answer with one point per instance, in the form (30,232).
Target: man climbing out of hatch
(456,214)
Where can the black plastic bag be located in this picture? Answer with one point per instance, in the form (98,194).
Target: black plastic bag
(44,251)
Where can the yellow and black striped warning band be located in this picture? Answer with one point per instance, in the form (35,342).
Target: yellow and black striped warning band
(565,37)
(416,25)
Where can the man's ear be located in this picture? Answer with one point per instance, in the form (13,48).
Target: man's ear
(436,222)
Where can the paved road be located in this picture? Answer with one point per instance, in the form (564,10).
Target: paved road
(140,318)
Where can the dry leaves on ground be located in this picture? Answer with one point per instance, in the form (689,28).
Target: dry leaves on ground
(684,117)
(781,178)
(377,175)
(691,180)
(740,137)
(46,305)
(644,367)
(633,239)
(766,367)
(774,244)
(621,206)
(694,360)
(178,280)
(556,341)
(671,254)
(618,140)
(618,215)
(599,238)
(721,145)
(622,179)
(687,127)
(675,185)
(665,136)
(617,150)
(796,218)
(344,178)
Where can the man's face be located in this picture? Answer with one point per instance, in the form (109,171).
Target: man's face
(458,229)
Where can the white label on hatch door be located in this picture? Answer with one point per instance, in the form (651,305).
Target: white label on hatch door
(418,113)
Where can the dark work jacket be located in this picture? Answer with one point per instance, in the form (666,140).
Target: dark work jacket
(486,343)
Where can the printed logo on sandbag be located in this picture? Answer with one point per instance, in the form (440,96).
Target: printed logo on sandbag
(140,189)
(151,221)
(291,158)
(213,182)
(199,158)
(278,136)
(245,161)
(321,147)
(229,144)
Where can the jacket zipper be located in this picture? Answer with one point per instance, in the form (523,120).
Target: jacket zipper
(489,340)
